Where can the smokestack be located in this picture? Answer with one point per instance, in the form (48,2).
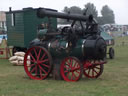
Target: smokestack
(10,9)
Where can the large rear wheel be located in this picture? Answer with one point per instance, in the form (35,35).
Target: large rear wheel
(37,63)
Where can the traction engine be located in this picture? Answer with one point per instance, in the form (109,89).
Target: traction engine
(68,52)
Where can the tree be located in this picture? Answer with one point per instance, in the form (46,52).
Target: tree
(90,9)
(66,9)
(107,15)
(100,20)
(71,10)
(75,10)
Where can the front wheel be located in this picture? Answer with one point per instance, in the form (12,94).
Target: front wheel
(71,69)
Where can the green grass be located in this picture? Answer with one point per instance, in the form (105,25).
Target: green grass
(113,81)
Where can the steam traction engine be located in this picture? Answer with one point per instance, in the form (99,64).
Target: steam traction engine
(68,52)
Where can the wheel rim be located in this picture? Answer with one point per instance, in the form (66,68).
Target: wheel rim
(71,69)
(92,70)
(37,63)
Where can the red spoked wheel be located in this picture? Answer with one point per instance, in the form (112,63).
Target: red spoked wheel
(93,69)
(37,63)
(71,69)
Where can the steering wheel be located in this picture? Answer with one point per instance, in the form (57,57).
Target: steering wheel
(66,30)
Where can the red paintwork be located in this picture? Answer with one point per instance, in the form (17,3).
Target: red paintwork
(93,69)
(40,61)
(71,69)
(1,52)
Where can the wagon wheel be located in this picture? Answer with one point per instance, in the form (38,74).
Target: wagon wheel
(93,69)
(37,63)
(111,53)
(71,69)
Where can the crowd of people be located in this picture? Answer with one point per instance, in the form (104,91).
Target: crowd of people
(121,30)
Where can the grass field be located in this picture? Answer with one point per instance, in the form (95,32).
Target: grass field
(113,81)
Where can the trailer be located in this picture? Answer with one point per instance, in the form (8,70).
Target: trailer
(110,43)
(22,27)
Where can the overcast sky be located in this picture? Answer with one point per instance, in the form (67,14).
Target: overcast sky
(120,7)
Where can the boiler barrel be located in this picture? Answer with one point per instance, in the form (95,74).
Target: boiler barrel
(42,12)
(59,49)
(85,48)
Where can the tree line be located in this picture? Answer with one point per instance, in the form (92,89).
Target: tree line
(107,14)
